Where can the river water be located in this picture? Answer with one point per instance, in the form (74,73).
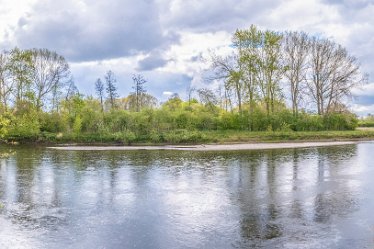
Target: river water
(287,198)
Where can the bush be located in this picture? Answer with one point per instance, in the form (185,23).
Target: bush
(366,123)
(52,122)
(340,121)
(184,136)
(230,121)
(24,126)
(308,122)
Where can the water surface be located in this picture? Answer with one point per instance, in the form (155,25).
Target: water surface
(287,198)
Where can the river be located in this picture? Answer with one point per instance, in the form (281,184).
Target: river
(282,198)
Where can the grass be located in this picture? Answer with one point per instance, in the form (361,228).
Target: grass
(284,136)
(198,137)
(366,123)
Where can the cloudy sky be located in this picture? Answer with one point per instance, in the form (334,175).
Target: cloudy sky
(167,40)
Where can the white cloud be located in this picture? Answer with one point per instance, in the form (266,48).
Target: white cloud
(191,56)
(364,90)
(10,13)
(168,40)
(363,110)
(87,30)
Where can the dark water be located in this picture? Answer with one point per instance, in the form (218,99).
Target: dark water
(294,198)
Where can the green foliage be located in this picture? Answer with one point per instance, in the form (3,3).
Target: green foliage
(127,137)
(367,121)
(34,105)
(4,125)
(229,121)
(82,119)
(308,122)
(92,117)
(77,126)
(340,121)
(24,125)
(52,122)
(184,136)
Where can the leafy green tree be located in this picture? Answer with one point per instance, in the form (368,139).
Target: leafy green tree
(21,69)
(147,101)
(25,124)
(249,45)
(77,125)
(4,124)
(271,68)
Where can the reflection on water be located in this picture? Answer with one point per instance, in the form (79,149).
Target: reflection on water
(294,198)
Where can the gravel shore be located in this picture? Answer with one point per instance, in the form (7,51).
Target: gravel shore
(206,147)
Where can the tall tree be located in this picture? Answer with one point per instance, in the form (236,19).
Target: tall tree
(271,69)
(50,73)
(6,84)
(139,89)
(21,69)
(333,74)
(248,42)
(111,88)
(229,69)
(296,50)
(99,87)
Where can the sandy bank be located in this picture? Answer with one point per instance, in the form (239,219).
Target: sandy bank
(207,147)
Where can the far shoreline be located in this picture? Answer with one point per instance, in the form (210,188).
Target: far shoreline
(207,147)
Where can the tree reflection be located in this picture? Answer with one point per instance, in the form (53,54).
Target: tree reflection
(289,184)
(334,196)
(263,193)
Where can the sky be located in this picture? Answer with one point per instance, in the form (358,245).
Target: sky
(168,41)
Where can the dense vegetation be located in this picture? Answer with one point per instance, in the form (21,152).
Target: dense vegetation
(266,70)
(367,121)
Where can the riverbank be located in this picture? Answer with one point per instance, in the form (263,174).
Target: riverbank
(185,137)
(206,147)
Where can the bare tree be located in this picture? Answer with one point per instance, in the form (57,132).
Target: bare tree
(6,84)
(207,97)
(99,87)
(190,91)
(333,74)
(296,51)
(50,73)
(111,88)
(139,90)
(71,90)
(227,98)
(229,69)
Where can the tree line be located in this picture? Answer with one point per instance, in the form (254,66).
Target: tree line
(266,72)
(269,67)
(34,77)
